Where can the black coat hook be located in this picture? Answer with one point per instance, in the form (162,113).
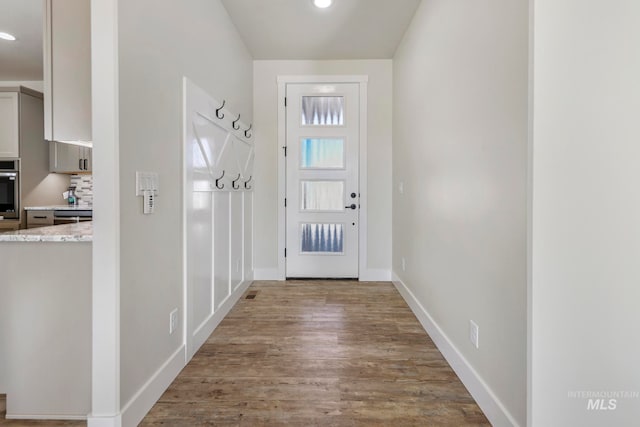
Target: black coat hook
(218,113)
(246,132)
(233,184)
(236,121)
(220,186)
(246,183)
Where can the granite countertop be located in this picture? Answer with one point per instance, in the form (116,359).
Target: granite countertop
(77,232)
(60,208)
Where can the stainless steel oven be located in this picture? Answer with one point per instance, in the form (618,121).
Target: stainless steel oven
(9,189)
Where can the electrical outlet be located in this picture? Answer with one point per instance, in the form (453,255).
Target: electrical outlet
(474,332)
(401,187)
(173,321)
(404,264)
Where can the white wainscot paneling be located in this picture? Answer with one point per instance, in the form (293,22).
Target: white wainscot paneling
(236,225)
(248,235)
(221,259)
(218,162)
(200,256)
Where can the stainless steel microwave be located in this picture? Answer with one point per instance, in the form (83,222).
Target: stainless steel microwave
(9,189)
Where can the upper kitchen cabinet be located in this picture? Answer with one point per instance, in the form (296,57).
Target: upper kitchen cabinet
(67,70)
(20,123)
(69,158)
(9,125)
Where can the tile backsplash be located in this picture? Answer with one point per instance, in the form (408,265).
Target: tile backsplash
(84,188)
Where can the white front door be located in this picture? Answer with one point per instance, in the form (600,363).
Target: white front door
(323,136)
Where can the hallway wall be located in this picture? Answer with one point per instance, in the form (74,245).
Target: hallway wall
(586,213)
(460,156)
(268,149)
(156,50)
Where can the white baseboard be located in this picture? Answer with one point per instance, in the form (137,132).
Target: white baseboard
(228,304)
(135,410)
(207,327)
(370,275)
(115,421)
(266,274)
(47,417)
(149,394)
(492,407)
(375,275)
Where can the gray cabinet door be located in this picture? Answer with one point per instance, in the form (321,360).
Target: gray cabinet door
(9,125)
(67,70)
(64,158)
(69,158)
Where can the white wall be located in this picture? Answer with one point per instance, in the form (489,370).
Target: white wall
(159,43)
(586,209)
(460,151)
(268,149)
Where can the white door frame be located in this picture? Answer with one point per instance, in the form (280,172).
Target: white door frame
(282,176)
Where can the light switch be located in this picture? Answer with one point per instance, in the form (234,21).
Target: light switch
(147,186)
(147,181)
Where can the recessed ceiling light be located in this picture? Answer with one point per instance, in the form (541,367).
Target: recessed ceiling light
(322,4)
(7,36)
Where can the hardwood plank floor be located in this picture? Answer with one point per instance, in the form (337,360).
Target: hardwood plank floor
(314,353)
(318,353)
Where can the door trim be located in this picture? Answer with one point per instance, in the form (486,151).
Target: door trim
(362,80)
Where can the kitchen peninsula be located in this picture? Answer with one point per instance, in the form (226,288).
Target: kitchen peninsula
(45,321)
(76,232)
(42,216)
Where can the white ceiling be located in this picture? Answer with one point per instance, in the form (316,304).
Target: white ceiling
(21,59)
(272,29)
(295,29)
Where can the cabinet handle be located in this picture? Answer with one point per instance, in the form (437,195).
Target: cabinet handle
(85,164)
(40,217)
(80,164)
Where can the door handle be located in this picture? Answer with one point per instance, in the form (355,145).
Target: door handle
(352,206)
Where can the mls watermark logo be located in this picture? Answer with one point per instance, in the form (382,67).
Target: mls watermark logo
(602,404)
(603,400)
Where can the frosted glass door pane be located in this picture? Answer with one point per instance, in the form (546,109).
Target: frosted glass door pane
(322,153)
(323,110)
(322,238)
(322,196)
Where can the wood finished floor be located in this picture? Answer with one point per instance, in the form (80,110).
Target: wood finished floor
(314,353)
(318,353)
